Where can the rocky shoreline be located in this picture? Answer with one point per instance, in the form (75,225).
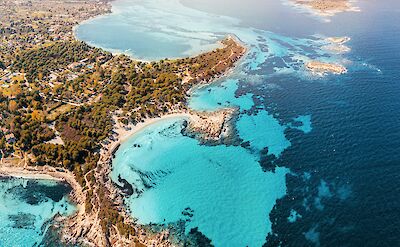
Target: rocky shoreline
(212,128)
(103,198)
(85,227)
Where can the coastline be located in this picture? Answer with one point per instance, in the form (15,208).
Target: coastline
(116,52)
(24,174)
(85,227)
(124,134)
(43,173)
(201,121)
(48,173)
(226,73)
(119,134)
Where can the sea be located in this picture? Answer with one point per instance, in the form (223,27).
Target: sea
(319,157)
(27,208)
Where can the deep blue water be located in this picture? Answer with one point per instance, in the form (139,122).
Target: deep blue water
(345,173)
(351,196)
(338,135)
(354,146)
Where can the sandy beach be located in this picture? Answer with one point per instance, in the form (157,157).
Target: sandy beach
(125,132)
(16,172)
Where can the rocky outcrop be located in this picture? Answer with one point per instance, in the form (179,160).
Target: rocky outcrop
(337,45)
(322,68)
(327,7)
(338,40)
(211,127)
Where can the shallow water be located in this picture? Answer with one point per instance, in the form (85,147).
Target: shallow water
(26,208)
(338,135)
(167,183)
(224,188)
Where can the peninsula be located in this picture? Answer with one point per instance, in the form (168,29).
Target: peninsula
(66,106)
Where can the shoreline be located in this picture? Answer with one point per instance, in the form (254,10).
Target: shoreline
(118,52)
(127,134)
(23,174)
(76,195)
(124,133)
(84,226)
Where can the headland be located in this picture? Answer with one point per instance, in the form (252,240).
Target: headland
(59,88)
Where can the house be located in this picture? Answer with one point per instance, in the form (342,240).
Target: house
(76,65)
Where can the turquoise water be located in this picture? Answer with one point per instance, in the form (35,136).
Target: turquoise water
(26,208)
(328,132)
(147,30)
(263,130)
(338,136)
(218,95)
(294,216)
(223,187)
(302,123)
(156,29)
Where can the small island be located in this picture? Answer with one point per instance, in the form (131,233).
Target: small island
(322,68)
(332,45)
(326,7)
(212,127)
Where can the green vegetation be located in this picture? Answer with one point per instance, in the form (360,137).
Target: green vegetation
(38,63)
(80,90)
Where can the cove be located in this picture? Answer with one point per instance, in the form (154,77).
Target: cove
(224,188)
(26,208)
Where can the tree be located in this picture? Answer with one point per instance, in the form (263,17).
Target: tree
(38,115)
(13,106)
(15,89)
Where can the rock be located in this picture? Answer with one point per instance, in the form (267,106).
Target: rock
(210,127)
(322,68)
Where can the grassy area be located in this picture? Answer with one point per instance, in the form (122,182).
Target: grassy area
(13,161)
(64,108)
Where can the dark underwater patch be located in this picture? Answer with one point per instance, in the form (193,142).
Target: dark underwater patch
(36,192)
(22,220)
